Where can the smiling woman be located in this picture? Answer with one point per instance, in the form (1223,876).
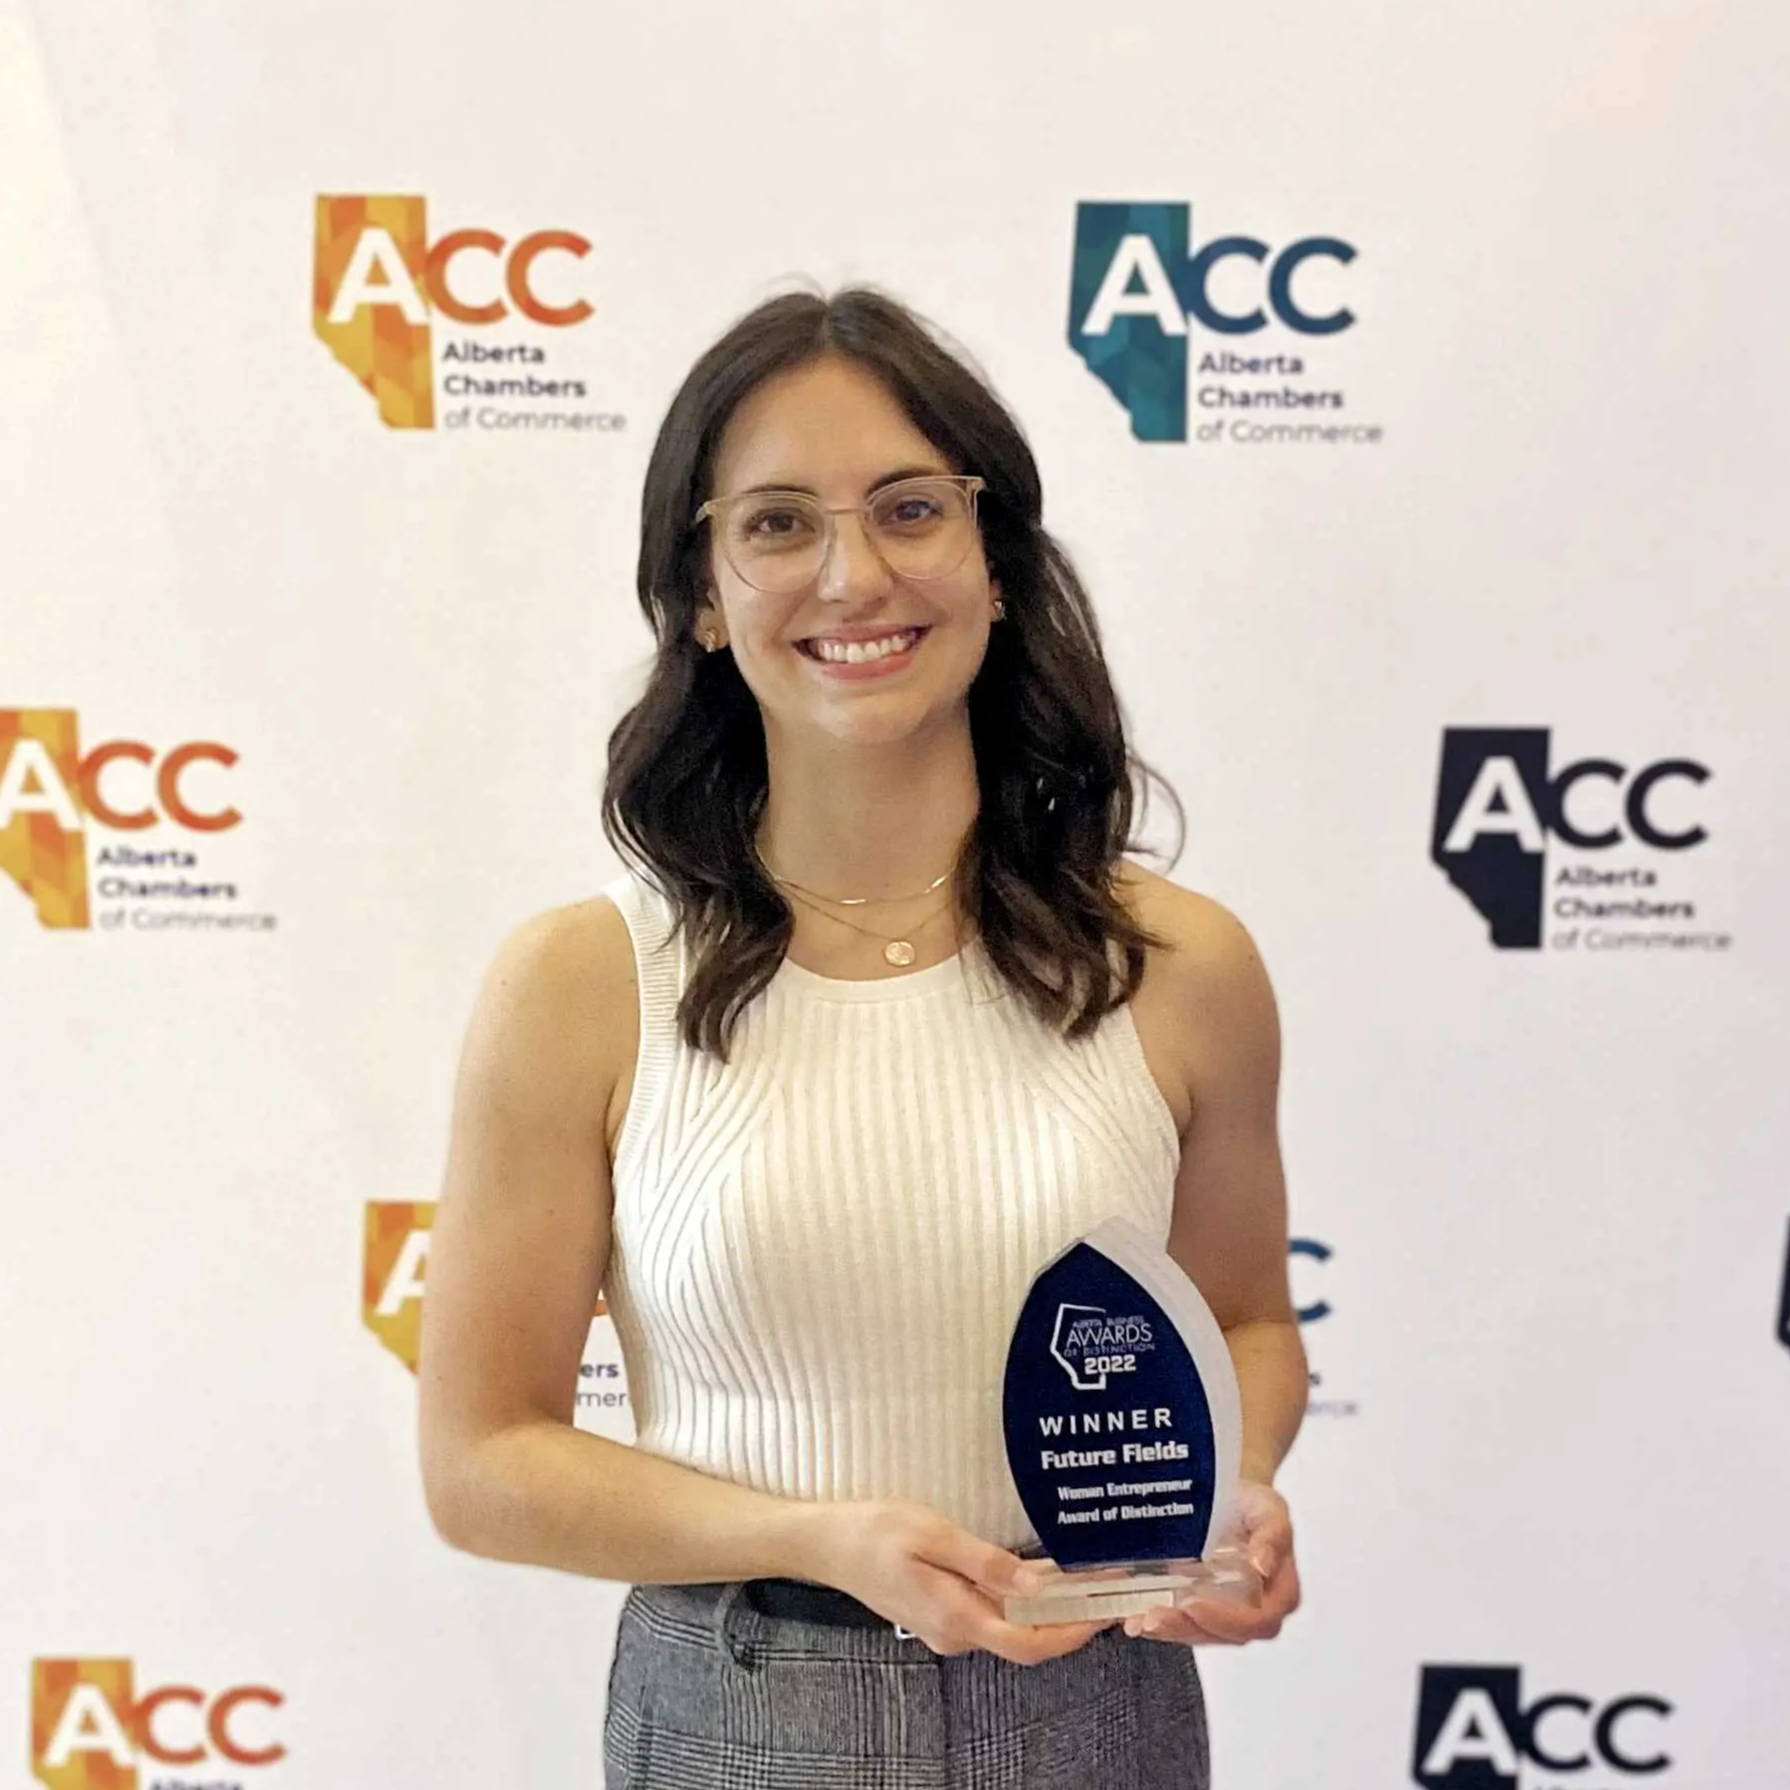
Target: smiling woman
(911,508)
(878,1021)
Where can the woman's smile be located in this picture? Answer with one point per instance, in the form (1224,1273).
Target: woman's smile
(856,654)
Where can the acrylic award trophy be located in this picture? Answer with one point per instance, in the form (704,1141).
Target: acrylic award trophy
(1124,1432)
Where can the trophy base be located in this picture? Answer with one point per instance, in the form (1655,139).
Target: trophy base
(1108,1594)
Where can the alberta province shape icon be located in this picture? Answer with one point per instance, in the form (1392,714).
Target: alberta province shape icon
(1123,1428)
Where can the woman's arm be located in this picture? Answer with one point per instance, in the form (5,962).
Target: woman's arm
(517,1256)
(1229,1229)
(1229,1225)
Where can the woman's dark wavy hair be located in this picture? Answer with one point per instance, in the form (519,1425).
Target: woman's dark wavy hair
(687,780)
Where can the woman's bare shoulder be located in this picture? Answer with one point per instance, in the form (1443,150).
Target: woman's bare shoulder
(1194,927)
(1206,998)
(580,950)
(563,980)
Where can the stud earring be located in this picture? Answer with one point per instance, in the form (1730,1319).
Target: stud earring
(710,639)
(1000,608)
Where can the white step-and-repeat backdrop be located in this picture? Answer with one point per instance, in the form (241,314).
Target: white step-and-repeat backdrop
(1405,381)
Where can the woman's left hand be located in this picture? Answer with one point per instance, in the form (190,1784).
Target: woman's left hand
(1266,1535)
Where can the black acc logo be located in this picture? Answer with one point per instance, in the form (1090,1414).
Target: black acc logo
(1784,1300)
(1497,805)
(1473,1732)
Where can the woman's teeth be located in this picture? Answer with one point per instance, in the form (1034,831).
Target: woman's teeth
(857,652)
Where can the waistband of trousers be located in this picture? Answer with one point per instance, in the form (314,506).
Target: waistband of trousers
(722,1617)
(800,1600)
(783,1614)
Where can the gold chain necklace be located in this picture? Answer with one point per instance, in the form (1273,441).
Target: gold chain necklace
(855,900)
(896,951)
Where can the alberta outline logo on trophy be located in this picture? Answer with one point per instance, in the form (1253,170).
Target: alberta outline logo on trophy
(1090,1345)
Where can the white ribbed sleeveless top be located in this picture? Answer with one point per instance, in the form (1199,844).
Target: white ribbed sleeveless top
(819,1248)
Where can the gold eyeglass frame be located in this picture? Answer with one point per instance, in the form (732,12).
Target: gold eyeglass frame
(966,482)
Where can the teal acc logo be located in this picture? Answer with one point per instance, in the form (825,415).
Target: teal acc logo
(1137,287)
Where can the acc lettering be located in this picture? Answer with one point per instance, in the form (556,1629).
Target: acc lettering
(217,1720)
(1135,259)
(1172,302)
(376,275)
(30,783)
(1784,1300)
(1317,1252)
(1634,806)
(1280,284)
(1498,803)
(1601,1734)
(89,1724)
(1472,1730)
(1532,1718)
(405,1282)
(1484,1733)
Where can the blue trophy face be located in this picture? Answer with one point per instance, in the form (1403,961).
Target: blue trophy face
(1108,1427)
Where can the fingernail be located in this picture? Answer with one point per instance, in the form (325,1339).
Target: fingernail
(1029,1581)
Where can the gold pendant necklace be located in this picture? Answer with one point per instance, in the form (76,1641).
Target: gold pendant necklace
(896,951)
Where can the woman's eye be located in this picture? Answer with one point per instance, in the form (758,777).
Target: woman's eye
(907,511)
(775,522)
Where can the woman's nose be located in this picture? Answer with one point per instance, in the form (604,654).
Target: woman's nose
(852,567)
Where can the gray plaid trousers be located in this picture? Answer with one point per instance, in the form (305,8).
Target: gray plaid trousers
(705,1693)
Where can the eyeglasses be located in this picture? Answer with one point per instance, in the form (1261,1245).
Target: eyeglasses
(779,541)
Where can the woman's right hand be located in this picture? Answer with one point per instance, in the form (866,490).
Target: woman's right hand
(919,1569)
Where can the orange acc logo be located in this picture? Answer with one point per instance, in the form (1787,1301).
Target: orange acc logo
(377,279)
(48,787)
(395,1248)
(90,1731)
